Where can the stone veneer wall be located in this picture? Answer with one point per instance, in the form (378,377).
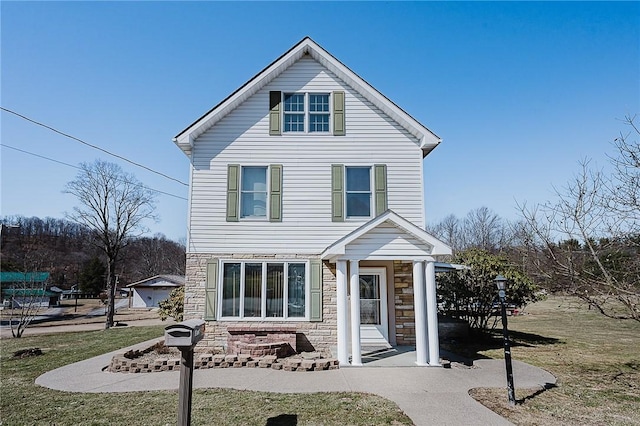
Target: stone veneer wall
(318,336)
(403,299)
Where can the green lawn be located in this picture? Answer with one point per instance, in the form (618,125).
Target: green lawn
(24,403)
(596,360)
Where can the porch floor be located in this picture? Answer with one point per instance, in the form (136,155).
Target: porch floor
(399,356)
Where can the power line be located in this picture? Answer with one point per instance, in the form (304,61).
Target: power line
(91,145)
(80,168)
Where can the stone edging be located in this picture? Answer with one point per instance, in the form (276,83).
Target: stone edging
(120,364)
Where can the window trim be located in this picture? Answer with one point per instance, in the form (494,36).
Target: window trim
(371,192)
(307,113)
(263,301)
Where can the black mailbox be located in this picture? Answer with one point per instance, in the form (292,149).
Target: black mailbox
(184,334)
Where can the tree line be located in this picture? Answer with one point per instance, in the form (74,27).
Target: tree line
(68,252)
(585,242)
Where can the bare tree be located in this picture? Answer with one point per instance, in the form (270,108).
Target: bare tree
(587,242)
(153,256)
(114,204)
(449,230)
(624,186)
(481,228)
(484,229)
(27,299)
(28,295)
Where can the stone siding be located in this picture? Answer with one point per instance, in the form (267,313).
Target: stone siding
(316,336)
(403,299)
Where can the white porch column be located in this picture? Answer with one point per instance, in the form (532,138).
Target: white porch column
(420,313)
(432,314)
(356,353)
(343,312)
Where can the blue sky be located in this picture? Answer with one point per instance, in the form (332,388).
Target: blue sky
(519,92)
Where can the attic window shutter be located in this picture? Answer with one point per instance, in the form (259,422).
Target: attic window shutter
(316,290)
(337,193)
(275,193)
(275,99)
(380,176)
(211,290)
(338,114)
(233,192)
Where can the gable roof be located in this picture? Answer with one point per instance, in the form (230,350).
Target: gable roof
(175,280)
(427,243)
(427,139)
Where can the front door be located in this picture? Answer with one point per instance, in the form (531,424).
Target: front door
(374,329)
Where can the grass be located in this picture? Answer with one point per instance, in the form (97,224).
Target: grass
(23,402)
(595,359)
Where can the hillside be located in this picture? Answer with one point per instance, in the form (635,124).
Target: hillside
(65,249)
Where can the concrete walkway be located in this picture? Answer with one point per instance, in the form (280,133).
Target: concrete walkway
(428,395)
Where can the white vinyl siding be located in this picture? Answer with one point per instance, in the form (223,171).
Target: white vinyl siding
(242,137)
(385,241)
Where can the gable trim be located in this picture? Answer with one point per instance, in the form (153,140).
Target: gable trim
(185,139)
(437,247)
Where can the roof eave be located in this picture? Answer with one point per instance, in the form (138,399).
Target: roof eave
(185,139)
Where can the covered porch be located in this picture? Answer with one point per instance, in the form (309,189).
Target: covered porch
(386,289)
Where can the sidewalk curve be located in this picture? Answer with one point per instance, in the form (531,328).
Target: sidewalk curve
(428,395)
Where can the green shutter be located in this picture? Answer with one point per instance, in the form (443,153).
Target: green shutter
(275,99)
(211,290)
(380,176)
(316,290)
(337,193)
(233,192)
(275,193)
(338,114)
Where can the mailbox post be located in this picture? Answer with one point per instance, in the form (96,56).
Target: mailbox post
(185,335)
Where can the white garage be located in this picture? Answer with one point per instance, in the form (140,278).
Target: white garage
(151,291)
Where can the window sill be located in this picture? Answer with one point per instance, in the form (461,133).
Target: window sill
(267,319)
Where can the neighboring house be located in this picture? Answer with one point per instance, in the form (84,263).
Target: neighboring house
(307,205)
(27,288)
(149,292)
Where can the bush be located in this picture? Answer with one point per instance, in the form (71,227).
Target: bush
(471,294)
(173,306)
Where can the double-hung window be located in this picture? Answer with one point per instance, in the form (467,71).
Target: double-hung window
(300,112)
(306,112)
(254,192)
(253,199)
(294,112)
(261,290)
(358,191)
(318,112)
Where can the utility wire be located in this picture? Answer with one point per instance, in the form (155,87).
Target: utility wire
(80,168)
(90,145)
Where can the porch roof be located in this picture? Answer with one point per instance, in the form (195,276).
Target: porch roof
(386,237)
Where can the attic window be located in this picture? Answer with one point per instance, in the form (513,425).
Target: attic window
(294,112)
(303,108)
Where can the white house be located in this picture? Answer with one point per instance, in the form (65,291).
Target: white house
(149,292)
(306,205)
